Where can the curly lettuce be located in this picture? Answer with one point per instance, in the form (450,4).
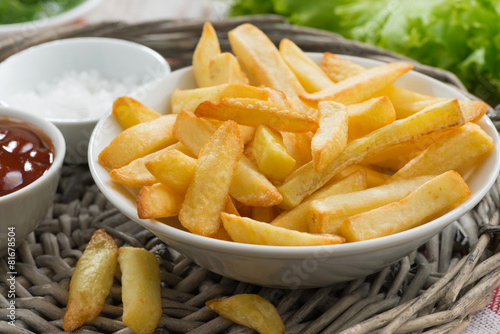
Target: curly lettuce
(461,36)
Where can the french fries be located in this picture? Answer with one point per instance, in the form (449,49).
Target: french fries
(327,214)
(306,180)
(270,153)
(362,86)
(206,49)
(91,280)
(331,137)
(129,112)
(453,150)
(428,201)
(158,201)
(224,68)
(249,231)
(297,218)
(141,289)
(207,193)
(254,112)
(138,141)
(249,310)
(310,75)
(291,152)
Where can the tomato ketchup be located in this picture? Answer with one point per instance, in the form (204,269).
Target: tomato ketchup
(24,155)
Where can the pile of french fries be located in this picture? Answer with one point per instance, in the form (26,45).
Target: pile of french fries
(273,149)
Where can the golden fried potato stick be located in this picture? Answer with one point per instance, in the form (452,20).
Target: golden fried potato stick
(327,214)
(270,153)
(173,169)
(296,219)
(432,199)
(305,180)
(360,87)
(369,116)
(457,148)
(129,112)
(331,137)
(310,75)
(189,99)
(91,280)
(249,185)
(249,310)
(136,175)
(262,59)
(206,49)
(253,112)
(207,194)
(158,201)
(249,231)
(138,141)
(338,69)
(141,289)
(263,214)
(224,68)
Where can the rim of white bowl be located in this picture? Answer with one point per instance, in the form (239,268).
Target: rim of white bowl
(82,40)
(49,130)
(59,19)
(288,252)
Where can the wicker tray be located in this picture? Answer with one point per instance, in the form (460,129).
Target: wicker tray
(433,290)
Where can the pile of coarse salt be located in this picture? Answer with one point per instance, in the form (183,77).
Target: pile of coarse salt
(74,95)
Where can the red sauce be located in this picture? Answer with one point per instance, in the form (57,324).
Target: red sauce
(24,156)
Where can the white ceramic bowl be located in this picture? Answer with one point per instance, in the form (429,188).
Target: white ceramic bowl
(52,21)
(291,267)
(23,209)
(114,59)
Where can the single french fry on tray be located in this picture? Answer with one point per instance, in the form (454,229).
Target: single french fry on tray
(207,194)
(270,153)
(129,112)
(327,214)
(224,68)
(305,180)
(433,198)
(310,75)
(331,136)
(453,150)
(158,201)
(296,219)
(249,231)
(253,112)
(135,174)
(173,169)
(141,289)
(91,280)
(249,185)
(249,310)
(362,86)
(138,141)
(207,48)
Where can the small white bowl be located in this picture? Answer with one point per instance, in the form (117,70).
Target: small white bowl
(291,267)
(114,59)
(23,209)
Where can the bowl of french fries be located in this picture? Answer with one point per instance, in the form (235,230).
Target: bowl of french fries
(290,169)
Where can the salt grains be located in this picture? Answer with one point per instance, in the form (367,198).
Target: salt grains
(74,95)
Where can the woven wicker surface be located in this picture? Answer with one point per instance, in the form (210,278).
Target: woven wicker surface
(433,290)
